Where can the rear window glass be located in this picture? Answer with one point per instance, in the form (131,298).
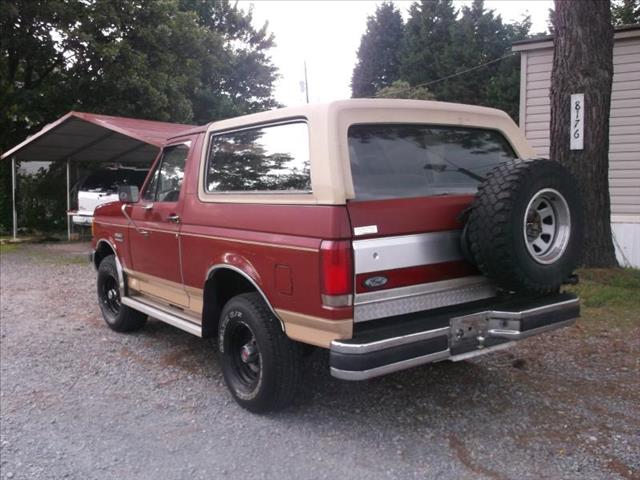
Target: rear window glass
(400,161)
(270,158)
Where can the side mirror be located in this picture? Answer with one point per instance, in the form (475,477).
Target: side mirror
(128,194)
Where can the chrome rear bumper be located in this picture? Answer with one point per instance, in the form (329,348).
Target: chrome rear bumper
(453,334)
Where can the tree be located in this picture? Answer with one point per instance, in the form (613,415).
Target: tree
(379,52)
(402,89)
(625,12)
(463,56)
(187,61)
(427,41)
(583,63)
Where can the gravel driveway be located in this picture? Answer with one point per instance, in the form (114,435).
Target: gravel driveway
(80,401)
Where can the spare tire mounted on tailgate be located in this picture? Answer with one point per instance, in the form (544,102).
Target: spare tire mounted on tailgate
(525,226)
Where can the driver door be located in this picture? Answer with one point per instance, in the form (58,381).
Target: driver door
(155,246)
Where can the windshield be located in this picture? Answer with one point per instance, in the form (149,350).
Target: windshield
(407,160)
(109,180)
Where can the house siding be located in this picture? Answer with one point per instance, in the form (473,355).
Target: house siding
(624,135)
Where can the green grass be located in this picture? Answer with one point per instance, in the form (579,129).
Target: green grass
(8,247)
(610,297)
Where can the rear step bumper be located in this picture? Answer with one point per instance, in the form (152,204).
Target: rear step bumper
(458,334)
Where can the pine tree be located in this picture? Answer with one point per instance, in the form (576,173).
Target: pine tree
(625,12)
(378,63)
(427,41)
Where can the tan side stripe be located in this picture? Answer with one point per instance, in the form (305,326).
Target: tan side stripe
(225,239)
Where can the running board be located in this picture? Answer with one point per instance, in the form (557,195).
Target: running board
(176,319)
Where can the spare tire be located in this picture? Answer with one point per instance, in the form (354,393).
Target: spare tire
(525,226)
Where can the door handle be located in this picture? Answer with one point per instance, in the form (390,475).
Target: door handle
(148,206)
(173,218)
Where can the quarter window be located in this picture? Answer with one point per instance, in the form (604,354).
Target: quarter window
(166,180)
(270,158)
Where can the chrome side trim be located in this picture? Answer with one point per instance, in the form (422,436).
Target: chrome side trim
(392,367)
(172,318)
(255,285)
(338,346)
(387,253)
(415,298)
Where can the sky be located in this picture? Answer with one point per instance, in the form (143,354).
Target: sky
(326,34)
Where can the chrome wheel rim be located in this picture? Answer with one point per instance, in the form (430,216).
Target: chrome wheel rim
(547,226)
(110,295)
(247,360)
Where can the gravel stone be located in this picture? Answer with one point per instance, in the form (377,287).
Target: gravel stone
(82,402)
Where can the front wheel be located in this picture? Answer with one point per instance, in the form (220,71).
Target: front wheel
(261,366)
(119,317)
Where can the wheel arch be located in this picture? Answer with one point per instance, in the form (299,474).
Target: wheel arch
(223,282)
(103,249)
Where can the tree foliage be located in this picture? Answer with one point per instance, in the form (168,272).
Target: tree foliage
(441,44)
(402,89)
(379,53)
(186,61)
(625,12)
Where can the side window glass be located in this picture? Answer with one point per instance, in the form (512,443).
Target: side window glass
(149,193)
(166,182)
(270,158)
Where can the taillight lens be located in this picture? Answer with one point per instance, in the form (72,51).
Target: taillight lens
(336,265)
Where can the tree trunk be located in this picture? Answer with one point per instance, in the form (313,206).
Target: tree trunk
(583,63)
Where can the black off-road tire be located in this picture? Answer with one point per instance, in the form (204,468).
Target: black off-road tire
(496,227)
(269,382)
(118,317)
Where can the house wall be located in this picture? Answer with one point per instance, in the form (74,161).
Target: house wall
(624,148)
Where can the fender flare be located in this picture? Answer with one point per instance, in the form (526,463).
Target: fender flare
(118,264)
(244,274)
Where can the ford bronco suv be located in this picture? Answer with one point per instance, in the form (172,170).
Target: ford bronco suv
(392,232)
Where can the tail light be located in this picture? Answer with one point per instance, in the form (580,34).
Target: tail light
(336,267)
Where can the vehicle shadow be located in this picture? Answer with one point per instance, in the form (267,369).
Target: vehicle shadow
(421,390)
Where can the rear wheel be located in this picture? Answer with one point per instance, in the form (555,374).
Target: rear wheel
(119,317)
(261,366)
(525,226)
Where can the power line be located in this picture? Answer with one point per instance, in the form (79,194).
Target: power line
(457,74)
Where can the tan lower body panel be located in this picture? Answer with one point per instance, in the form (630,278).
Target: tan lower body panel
(298,326)
(167,292)
(314,330)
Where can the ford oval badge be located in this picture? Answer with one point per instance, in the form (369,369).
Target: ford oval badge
(375,282)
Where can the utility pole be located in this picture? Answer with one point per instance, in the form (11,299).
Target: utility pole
(306,82)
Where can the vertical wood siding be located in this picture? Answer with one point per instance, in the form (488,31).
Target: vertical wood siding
(624,136)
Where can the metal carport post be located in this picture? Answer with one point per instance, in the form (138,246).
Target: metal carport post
(13,196)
